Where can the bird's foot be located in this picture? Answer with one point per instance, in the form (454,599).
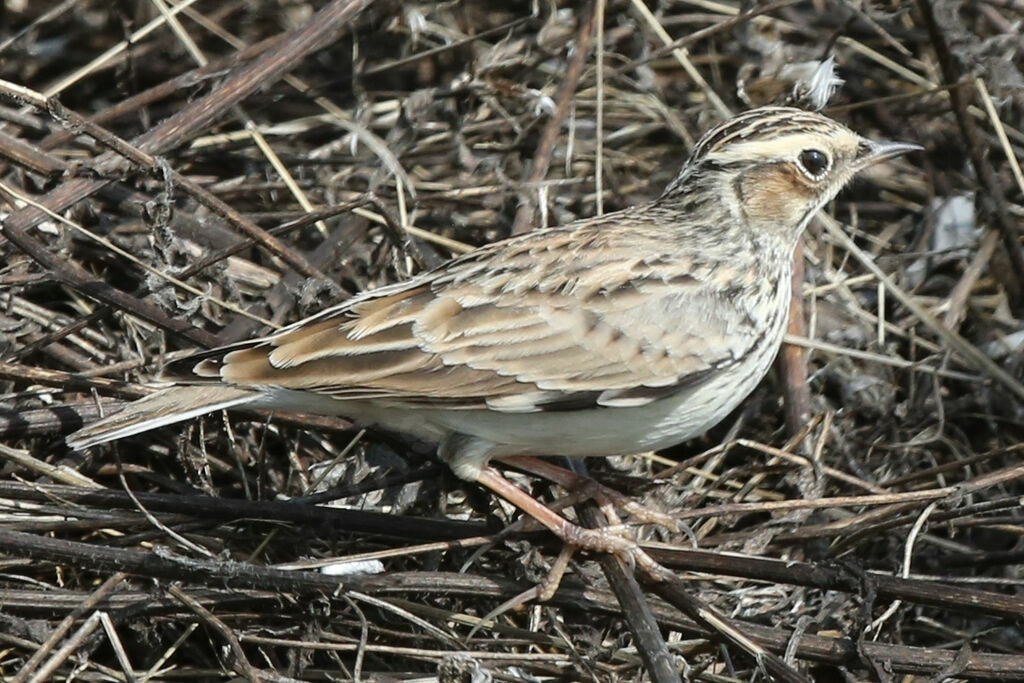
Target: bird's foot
(605,540)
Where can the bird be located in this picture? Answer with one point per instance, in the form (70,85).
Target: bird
(617,334)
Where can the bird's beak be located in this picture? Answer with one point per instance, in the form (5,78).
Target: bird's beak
(871,151)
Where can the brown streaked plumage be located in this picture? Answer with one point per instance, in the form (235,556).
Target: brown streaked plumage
(631,331)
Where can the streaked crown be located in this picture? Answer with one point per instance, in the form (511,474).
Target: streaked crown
(764,133)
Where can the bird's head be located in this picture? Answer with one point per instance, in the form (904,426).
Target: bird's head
(774,167)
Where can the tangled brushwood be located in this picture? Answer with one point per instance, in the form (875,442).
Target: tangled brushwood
(180,177)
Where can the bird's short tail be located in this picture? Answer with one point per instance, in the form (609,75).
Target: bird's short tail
(163,408)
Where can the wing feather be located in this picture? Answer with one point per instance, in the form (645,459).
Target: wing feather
(517,327)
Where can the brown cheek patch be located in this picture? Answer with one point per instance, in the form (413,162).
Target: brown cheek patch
(776,193)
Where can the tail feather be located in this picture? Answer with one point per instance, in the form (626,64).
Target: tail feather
(166,407)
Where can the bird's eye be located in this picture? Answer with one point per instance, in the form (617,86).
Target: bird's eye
(814,163)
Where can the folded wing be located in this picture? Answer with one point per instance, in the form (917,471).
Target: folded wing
(520,327)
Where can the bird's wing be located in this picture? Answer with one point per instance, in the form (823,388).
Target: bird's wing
(528,324)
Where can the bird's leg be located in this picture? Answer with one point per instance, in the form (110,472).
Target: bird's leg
(597,540)
(604,496)
(574,537)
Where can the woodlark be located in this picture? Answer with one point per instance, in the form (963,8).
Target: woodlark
(611,335)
